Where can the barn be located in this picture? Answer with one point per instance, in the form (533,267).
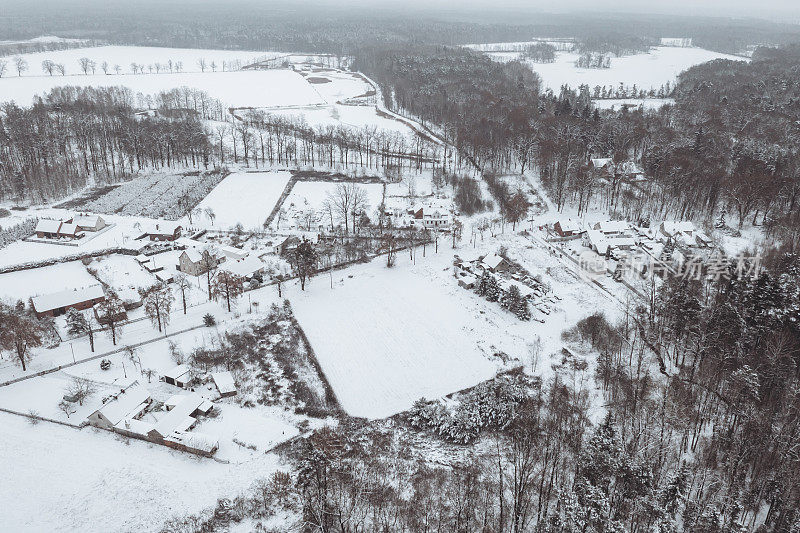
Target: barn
(57,303)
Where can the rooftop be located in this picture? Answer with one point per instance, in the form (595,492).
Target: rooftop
(56,300)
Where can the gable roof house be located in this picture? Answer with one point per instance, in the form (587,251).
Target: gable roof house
(494,263)
(57,303)
(196,262)
(47,228)
(178,376)
(612,227)
(127,404)
(567,228)
(288,245)
(181,416)
(164,230)
(86,222)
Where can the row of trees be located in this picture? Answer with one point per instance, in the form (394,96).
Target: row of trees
(53,147)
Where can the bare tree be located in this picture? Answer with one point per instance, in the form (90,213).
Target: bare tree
(348,201)
(67,407)
(213,66)
(112,313)
(117,69)
(229,286)
(183,284)
(80,389)
(3,67)
(48,66)
(19,333)
(86,64)
(61,69)
(201,62)
(158,303)
(210,214)
(105,66)
(178,66)
(20,64)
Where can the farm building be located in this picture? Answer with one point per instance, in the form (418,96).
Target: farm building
(164,231)
(246,268)
(567,228)
(127,404)
(195,263)
(178,376)
(193,442)
(87,222)
(612,227)
(224,383)
(57,303)
(494,263)
(57,229)
(288,245)
(181,416)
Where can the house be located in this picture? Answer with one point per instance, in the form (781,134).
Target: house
(224,383)
(181,416)
(127,404)
(57,229)
(164,231)
(674,230)
(47,229)
(494,263)
(87,222)
(178,376)
(57,303)
(164,277)
(605,164)
(195,263)
(288,245)
(567,228)
(245,268)
(430,217)
(467,281)
(232,252)
(612,227)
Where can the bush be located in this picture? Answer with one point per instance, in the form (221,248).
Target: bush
(209,320)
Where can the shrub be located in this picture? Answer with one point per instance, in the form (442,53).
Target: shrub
(209,320)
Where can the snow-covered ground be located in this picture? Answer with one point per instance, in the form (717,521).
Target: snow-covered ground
(246,88)
(23,284)
(388,337)
(243,197)
(93,481)
(652,70)
(310,195)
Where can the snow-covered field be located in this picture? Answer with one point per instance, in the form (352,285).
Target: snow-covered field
(26,283)
(310,195)
(247,88)
(93,481)
(651,70)
(388,337)
(120,271)
(243,197)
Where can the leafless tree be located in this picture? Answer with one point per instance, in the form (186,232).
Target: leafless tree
(86,64)
(19,333)
(67,408)
(117,68)
(228,286)
(347,201)
(61,69)
(3,67)
(213,66)
(201,62)
(183,284)
(48,66)
(105,66)
(80,389)
(112,313)
(158,304)
(20,64)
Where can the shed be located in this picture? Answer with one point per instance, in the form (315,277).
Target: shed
(178,376)
(224,383)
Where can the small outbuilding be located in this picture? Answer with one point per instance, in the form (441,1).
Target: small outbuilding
(178,376)
(224,383)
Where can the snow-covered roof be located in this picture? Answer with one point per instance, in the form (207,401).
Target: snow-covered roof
(232,252)
(612,226)
(87,220)
(141,258)
(617,242)
(127,403)
(46,225)
(244,267)
(569,225)
(177,372)
(163,276)
(224,382)
(195,440)
(48,302)
(68,228)
(599,162)
(702,237)
(129,295)
(671,227)
(524,290)
(174,418)
(132,425)
(163,227)
(492,260)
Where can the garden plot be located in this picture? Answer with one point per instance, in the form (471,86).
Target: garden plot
(24,284)
(245,198)
(652,70)
(122,271)
(308,196)
(388,337)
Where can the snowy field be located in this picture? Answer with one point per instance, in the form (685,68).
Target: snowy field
(355,116)
(26,283)
(122,271)
(243,197)
(312,194)
(651,70)
(154,482)
(386,338)
(248,88)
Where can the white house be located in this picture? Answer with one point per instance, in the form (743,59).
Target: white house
(86,222)
(178,376)
(127,404)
